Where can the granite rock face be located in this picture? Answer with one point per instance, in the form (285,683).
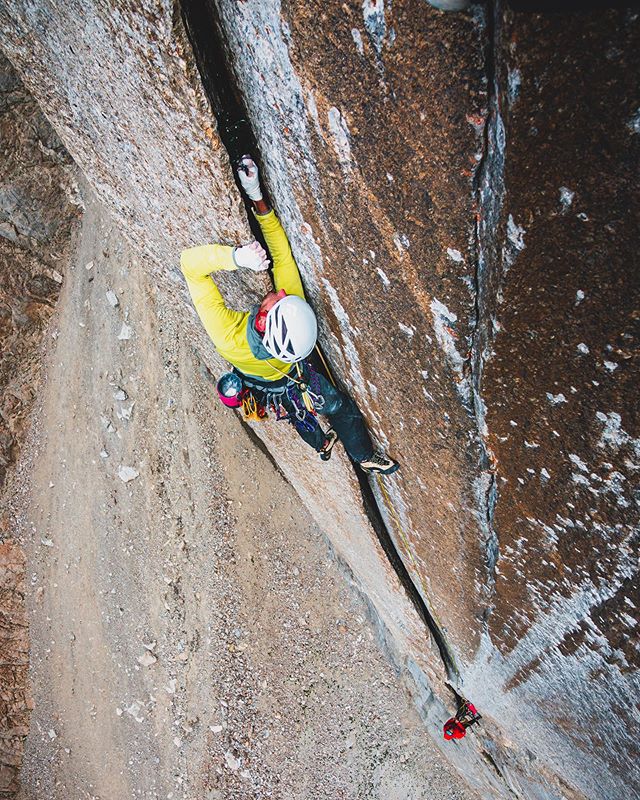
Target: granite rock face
(38,204)
(15,701)
(475,233)
(458,191)
(374,140)
(562,325)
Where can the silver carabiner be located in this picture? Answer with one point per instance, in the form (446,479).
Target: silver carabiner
(317,400)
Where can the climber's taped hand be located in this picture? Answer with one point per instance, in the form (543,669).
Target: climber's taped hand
(249,178)
(251,256)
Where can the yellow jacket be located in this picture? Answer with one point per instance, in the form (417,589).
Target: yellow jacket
(228,328)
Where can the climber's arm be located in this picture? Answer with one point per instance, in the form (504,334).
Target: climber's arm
(285,270)
(197,264)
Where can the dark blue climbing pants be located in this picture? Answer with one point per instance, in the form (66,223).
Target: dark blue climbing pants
(341,411)
(344,417)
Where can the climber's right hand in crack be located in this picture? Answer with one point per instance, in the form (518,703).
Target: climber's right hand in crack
(249,178)
(251,256)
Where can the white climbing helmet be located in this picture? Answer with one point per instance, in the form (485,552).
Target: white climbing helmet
(291,329)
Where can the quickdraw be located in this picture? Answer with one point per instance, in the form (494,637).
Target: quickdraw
(303,417)
(251,409)
(466,716)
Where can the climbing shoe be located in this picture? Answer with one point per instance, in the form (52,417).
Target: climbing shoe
(379,463)
(331,437)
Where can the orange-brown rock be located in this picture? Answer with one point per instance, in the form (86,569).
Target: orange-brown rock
(15,701)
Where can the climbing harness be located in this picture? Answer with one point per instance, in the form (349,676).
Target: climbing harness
(466,716)
(305,402)
(258,397)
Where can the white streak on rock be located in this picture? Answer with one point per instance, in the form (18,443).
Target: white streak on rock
(348,332)
(556,399)
(401,241)
(407,330)
(566,198)
(514,80)
(455,255)
(357,38)
(443,322)
(613,435)
(515,234)
(383,277)
(375,23)
(578,462)
(340,136)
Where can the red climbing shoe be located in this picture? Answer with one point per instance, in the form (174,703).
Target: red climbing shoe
(379,463)
(331,437)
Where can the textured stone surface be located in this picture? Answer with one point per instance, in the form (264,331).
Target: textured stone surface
(15,701)
(37,206)
(425,176)
(560,387)
(369,148)
(74,105)
(266,679)
(125,96)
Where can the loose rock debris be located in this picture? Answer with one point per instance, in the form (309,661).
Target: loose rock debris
(127,474)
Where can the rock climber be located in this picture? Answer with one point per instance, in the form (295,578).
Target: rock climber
(264,344)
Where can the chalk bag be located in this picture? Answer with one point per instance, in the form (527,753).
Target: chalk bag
(229,388)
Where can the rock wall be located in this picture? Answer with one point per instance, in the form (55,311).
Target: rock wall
(561,357)
(38,211)
(457,190)
(15,699)
(38,204)
(470,191)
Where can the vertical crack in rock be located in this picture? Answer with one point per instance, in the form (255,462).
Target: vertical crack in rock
(391,551)
(202,23)
(205,32)
(489,192)
(203,28)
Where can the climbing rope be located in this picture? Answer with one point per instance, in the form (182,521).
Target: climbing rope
(390,508)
